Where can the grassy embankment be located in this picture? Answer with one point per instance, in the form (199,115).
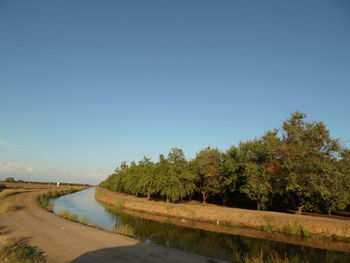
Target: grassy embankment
(273,222)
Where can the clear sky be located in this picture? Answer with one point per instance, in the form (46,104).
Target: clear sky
(85,85)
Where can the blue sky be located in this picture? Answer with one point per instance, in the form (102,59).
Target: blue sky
(85,85)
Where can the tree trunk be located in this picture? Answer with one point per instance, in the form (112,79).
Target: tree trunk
(224,202)
(148,196)
(204,196)
(299,210)
(258,206)
(329,211)
(167,200)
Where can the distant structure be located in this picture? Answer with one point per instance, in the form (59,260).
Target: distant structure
(58,184)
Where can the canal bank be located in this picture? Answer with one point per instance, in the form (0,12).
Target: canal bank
(224,246)
(271,222)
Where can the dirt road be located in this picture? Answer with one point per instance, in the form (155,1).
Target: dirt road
(65,241)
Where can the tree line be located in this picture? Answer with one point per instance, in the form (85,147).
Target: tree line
(298,166)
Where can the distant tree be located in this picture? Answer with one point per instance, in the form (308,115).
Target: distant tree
(10,180)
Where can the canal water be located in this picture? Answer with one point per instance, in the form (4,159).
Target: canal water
(227,247)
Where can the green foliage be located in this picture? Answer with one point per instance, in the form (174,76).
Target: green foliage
(207,166)
(269,228)
(298,166)
(171,178)
(10,180)
(257,186)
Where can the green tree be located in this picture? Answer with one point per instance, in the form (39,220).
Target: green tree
(176,180)
(207,167)
(255,157)
(257,186)
(231,173)
(148,181)
(306,145)
(333,189)
(10,180)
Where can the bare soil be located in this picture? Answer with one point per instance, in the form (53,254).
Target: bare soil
(65,241)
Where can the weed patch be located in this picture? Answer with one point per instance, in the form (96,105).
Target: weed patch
(16,249)
(299,231)
(118,206)
(85,221)
(68,215)
(126,230)
(274,258)
(7,206)
(270,228)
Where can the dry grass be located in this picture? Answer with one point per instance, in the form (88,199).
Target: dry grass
(126,230)
(274,258)
(97,225)
(68,215)
(85,221)
(7,206)
(6,193)
(15,249)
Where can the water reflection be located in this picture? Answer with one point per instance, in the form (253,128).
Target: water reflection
(222,246)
